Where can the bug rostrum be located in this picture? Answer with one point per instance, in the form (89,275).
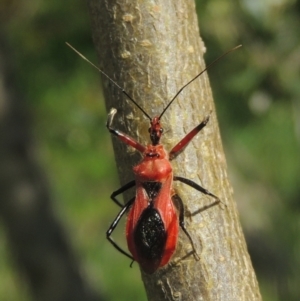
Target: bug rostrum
(156,212)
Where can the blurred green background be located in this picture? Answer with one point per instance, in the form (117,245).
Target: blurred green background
(257,94)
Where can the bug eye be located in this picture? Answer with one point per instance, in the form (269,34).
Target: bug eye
(161,130)
(149,130)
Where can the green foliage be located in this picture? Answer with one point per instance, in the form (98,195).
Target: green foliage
(257,96)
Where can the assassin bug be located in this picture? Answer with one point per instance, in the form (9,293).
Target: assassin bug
(153,223)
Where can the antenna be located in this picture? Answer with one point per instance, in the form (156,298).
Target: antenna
(132,100)
(211,64)
(115,83)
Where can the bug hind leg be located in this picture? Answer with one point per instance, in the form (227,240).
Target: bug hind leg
(114,225)
(178,201)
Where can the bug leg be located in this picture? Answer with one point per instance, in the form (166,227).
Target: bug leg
(114,225)
(178,201)
(121,190)
(182,144)
(123,137)
(198,187)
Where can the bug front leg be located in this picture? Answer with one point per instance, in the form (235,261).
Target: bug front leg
(114,225)
(181,145)
(121,190)
(122,136)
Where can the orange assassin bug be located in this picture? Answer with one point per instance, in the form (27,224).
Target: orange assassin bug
(153,219)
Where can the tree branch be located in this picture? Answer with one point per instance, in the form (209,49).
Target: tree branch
(152,50)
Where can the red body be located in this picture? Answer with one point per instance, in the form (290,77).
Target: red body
(154,168)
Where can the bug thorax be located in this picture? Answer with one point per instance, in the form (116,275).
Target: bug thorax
(155,165)
(155,130)
(155,152)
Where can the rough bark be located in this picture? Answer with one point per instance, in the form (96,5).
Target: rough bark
(152,49)
(38,243)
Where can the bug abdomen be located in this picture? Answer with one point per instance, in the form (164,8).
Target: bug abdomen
(152,225)
(150,239)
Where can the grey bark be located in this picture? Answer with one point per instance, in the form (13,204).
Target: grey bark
(152,49)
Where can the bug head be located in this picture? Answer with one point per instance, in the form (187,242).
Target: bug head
(155,130)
